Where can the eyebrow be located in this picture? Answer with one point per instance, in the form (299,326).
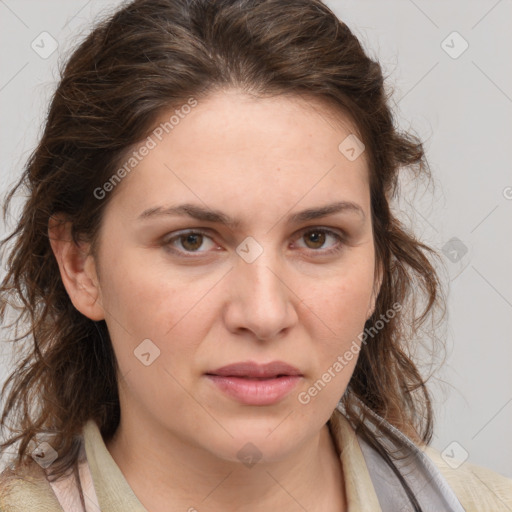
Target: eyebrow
(208,215)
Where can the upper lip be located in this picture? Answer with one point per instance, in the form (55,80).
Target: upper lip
(252,369)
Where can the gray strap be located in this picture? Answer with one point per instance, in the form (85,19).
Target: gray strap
(428,485)
(424,478)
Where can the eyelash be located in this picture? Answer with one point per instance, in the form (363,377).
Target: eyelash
(167,242)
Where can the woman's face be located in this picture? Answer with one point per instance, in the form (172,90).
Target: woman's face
(185,296)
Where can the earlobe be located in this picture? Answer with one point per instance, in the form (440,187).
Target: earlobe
(77,268)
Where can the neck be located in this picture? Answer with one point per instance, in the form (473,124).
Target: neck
(184,477)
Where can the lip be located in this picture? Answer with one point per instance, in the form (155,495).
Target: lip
(256,384)
(254,370)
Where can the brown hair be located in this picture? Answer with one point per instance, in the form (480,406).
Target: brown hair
(148,57)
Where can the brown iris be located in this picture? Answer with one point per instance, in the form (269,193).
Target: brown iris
(317,237)
(193,240)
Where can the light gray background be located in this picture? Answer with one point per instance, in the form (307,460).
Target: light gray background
(460,106)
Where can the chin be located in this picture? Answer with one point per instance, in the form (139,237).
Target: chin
(256,440)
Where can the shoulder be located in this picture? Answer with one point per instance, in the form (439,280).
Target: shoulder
(27,489)
(477,488)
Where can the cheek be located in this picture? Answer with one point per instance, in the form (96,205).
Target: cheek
(143,304)
(141,298)
(342,314)
(342,302)
(340,309)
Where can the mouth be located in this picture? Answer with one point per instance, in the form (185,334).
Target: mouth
(256,384)
(252,370)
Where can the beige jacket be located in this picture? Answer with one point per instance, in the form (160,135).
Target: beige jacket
(370,485)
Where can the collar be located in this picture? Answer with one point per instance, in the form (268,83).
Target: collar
(115,495)
(370,484)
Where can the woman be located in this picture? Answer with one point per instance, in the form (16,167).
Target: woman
(219,297)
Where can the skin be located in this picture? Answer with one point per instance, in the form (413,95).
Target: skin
(258,160)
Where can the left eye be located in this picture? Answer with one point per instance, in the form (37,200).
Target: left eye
(192,241)
(317,237)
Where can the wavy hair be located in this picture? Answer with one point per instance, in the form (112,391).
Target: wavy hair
(142,60)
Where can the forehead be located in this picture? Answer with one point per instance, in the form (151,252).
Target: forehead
(240,121)
(232,146)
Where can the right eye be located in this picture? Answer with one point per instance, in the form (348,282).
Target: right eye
(189,242)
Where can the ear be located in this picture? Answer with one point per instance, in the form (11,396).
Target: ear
(77,268)
(377,283)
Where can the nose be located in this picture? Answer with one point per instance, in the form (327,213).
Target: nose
(261,301)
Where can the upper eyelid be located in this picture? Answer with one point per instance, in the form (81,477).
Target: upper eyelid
(211,232)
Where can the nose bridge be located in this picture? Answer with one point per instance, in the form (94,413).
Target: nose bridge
(262,301)
(260,274)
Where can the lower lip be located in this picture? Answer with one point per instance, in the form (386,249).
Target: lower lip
(256,392)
